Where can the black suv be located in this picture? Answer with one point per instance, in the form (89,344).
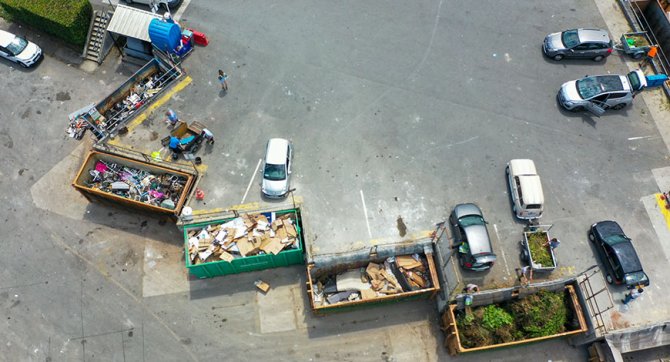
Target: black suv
(617,253)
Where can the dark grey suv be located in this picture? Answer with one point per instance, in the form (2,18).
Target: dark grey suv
(578,43)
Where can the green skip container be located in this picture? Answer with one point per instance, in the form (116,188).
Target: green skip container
(244,264)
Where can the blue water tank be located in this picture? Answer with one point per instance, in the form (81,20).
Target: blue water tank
(165,36)
(656,80)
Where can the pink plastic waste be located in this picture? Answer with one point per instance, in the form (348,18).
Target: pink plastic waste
(101,167)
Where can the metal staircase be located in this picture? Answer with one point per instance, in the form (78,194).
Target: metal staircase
(96,36)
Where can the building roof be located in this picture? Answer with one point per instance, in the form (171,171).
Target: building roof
(131,22)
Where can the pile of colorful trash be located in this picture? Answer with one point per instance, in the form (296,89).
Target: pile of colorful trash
(158,190)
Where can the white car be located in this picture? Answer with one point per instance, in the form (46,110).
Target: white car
(525,188)
(18,49)
(277,168)
(598,93)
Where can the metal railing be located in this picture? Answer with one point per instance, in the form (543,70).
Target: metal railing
(637,21)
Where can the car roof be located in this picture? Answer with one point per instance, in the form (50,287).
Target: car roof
(611,83)
(593,35)
(478,239)
(276,151)
(627,256)
(522,167)
(6,38)
(532,190)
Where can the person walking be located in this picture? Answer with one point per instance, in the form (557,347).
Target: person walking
(223,79)
(553,243)
(632,295)
(651,54)
(171,118)
(208,136)
(471,288)
(525,275)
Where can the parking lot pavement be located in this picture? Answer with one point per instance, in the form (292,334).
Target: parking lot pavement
(395,113)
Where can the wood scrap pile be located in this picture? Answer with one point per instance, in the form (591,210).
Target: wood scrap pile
(395,275)
(243,236)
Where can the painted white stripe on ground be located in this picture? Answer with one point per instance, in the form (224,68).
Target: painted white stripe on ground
(639,138)
(181,10)
(365,210)
(252,180)
(502,252)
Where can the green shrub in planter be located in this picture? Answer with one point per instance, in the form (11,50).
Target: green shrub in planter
(65,19)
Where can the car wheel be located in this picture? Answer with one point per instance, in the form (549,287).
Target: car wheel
(128,1)
(578,109)
(619,106)
(461,262)
(557,57)
(592,237)
(637,55)
(507,170)
(23,65)
(609,279)
(598,58)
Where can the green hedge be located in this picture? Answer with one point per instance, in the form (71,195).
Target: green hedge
(65,19)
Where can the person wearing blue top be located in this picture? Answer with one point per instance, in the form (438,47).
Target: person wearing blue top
(175,144)
(172,118)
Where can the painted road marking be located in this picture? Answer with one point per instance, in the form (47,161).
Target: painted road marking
(365,210)
(253,176)
(664,210)
(153,106)
(502,252)
(638,138)
(181,10)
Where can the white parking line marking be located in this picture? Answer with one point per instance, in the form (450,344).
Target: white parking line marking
(639,138)
(181,10)
(365,210)
(502,252)
(252,180)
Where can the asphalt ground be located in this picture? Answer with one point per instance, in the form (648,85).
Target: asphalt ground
(401,112)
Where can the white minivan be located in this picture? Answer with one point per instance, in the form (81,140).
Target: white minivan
(525,188)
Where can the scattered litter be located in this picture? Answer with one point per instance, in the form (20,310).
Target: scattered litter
(243,236)
(263,286)
(138,185)
(395,275)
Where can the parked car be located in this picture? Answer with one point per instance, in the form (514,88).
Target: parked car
(525,189)
(618,254)
(471,237)
(578,43)
(170,3)
(18,49)
(601,92)
(277,168)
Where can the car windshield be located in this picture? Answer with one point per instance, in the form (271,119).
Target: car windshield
(616,239)
(274,172)
(471,220)
(589,87)
(634,80)
(570,38)
(17,45)
(637,278)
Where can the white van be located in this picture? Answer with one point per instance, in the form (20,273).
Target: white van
(525,188)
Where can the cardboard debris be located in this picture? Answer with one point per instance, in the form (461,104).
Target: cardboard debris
(226,256)
(243,236)
(407,262)
(375,281)
(262,286)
